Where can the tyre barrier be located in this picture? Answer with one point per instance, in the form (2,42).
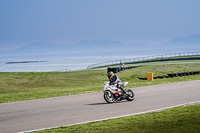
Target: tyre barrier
(166,76)
(119,69)
(190,73)
(180,74)
(142,78)
(160,77)
(172,75)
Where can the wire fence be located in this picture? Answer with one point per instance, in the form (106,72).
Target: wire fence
(115,62)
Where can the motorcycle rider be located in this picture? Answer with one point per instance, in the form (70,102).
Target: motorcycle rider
(114,79)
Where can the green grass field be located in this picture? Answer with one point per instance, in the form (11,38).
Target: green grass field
(184,119)
(29,85)
(22,86)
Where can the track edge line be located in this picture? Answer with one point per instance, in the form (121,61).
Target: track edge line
(139,113)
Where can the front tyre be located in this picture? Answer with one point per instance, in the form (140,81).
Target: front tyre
(129,95)
(108,96)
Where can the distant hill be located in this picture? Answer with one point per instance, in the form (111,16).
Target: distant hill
(185,42)
(83,46)
(191,43)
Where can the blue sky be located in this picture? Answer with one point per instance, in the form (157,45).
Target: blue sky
(69,21)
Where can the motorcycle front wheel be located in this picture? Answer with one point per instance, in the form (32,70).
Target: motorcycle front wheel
(108,96)
(129,95)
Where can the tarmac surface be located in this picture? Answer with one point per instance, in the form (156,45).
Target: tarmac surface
(67,110)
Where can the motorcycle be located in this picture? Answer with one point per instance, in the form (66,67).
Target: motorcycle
(113,93)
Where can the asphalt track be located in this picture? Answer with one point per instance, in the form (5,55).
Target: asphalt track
(66,110)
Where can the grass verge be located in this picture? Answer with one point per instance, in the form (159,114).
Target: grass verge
(185,119)
(20,86)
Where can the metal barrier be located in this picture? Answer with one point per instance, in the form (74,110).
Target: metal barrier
(132,60)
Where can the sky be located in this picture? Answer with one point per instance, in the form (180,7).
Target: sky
(69,21)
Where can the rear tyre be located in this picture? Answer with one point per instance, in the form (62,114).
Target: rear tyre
(129,95)
(108,96)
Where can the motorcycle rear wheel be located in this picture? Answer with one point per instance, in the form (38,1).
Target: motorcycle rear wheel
(130,95)
(108,96)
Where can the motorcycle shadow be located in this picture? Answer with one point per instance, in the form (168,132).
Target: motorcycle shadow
(106,103)
(97,103)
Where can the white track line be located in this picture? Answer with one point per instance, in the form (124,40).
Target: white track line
(145,112)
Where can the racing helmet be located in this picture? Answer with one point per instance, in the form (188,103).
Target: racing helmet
(110,74)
